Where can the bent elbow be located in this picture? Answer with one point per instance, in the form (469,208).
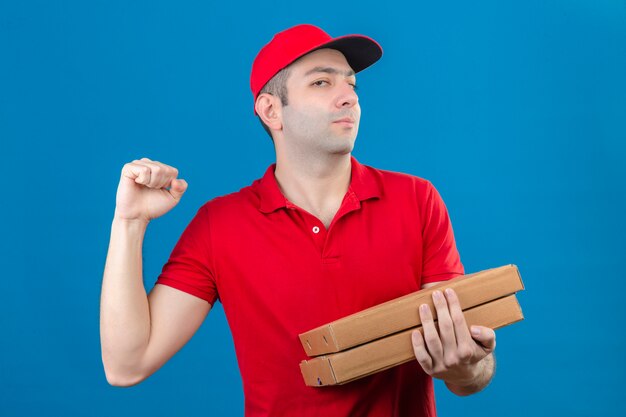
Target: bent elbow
(122,380)
(120,376)
(122,373)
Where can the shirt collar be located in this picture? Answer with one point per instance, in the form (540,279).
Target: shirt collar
(363,185)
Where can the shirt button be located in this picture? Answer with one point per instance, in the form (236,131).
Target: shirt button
(316,229)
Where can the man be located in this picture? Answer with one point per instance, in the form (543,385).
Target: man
(320,236)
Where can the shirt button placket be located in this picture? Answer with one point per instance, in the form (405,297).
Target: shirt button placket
(319,235)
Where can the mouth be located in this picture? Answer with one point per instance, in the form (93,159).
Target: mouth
(346,121)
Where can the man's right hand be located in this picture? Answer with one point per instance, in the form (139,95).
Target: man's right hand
(147,190)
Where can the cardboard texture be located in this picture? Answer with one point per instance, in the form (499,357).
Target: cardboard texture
(402,313)
(340,368)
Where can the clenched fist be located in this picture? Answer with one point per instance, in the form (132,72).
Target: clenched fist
(147,190)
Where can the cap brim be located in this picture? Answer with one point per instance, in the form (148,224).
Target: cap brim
(360,51)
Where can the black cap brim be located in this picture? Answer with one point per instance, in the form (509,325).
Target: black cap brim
(360,51)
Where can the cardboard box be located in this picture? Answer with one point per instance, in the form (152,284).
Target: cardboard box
(381,354)
(402,313)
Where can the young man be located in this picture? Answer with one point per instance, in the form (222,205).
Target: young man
(320,236)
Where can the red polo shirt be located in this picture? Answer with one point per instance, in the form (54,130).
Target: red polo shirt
(279,272)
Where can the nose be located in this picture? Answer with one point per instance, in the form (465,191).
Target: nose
(347,96)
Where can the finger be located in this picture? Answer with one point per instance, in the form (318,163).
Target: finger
(137,172)
(431,336)
(461,329)
(157,173)
(178,188)
(446,327)
(485,336)
(161,175)
(465,344)
(421,354)
(168,174)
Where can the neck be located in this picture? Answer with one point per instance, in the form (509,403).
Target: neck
(316,185)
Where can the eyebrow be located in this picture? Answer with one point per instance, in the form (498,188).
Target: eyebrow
(329,70)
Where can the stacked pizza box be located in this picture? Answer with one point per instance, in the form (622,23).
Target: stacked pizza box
(379,337)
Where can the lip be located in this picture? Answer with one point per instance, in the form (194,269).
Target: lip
(345,120)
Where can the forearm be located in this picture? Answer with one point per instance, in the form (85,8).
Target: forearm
(483,374)
(124,308)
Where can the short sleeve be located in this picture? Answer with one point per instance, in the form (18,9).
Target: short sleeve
(190,266)
(441,260)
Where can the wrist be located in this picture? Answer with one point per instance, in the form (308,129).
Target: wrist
(130,222)
(476,379)
(467,376)
(130,225)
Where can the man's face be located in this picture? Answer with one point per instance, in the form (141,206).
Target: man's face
(323,112)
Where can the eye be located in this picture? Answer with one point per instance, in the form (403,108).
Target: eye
(320,83)
(354,86)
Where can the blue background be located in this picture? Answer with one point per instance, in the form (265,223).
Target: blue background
(516,111)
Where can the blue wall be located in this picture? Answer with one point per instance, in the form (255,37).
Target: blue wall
(516,111)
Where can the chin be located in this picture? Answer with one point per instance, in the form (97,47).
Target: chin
(342,147)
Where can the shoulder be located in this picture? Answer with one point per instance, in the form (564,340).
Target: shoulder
(393,181)
(236,202)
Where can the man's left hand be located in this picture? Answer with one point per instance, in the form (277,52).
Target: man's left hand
(460,358)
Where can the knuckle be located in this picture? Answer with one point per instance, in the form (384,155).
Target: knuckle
(445,325)
(421,358)
(450,361)
(458,319)
(459,322)
(437,370)
(465,353)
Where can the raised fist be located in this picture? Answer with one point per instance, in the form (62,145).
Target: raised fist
(147,190)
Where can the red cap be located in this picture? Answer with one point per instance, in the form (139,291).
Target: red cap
(290,44)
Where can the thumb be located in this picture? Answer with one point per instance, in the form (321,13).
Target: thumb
(485,337)
(178,188)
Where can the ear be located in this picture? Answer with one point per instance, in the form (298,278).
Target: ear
(268,107)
